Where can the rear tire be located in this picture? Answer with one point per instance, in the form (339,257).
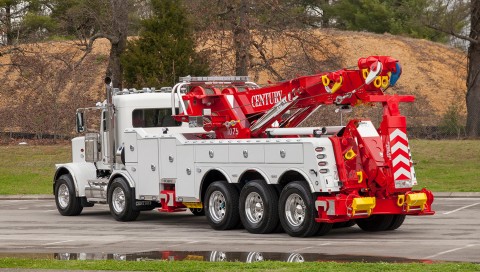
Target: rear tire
(221,206)
(197,211)
(259,207)
(346,224)
(376,222)
(324,229)
(67,202)
(120,201)
(297,211)
(397,221)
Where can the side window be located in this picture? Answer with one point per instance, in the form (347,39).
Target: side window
(138,119)
(153,118)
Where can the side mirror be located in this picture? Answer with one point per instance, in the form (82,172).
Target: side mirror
(80,122)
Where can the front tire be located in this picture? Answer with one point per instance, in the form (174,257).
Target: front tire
(259,207)
(297,211)
(65,199)
(120,201)
(221,206)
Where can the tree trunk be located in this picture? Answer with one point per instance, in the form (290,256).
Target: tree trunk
(114,70)
(325,18)
(241,39)
(473,79)
(119,31)
(8,25)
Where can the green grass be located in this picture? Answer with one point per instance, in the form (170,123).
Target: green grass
(30,169)
(441,166)
(447,165)
(231,266)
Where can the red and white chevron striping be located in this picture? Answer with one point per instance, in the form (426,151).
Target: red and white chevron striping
(400,155)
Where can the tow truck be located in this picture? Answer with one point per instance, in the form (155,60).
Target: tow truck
(235,152)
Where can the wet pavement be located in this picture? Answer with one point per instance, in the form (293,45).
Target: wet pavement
(30,228)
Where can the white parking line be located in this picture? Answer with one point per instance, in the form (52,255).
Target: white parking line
(462,208)
(304,248)
(448,251)
(60,242)
(192,242)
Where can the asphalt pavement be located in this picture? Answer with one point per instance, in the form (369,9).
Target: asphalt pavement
(31,226)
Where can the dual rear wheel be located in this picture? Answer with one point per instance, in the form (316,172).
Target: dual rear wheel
(261,209)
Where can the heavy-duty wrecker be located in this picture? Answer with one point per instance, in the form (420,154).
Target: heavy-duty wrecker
(231,150)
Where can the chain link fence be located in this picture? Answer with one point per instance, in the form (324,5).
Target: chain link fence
(422,122)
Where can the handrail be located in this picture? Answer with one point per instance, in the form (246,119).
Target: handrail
(178,88)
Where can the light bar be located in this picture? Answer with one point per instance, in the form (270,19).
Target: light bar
(215,79)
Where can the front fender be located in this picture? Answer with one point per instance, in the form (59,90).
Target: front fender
(81,172)
(124,174)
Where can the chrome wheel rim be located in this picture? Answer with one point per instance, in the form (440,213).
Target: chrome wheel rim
(63,196)
(118,200)
(295,210)
(254,257)
(295,258)
(218,256)
(254,207)
(217,206)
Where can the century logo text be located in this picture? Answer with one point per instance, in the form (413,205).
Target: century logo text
(266,99)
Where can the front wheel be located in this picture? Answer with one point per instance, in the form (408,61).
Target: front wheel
(259,207)
(65,199)
(120,201)
(221,206)
(297,211)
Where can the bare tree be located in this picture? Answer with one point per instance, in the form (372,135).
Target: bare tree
(118,39)
(95,19)
(241,38)
(10,14)
(276,36)
(450,17)
(49,87)
(473,79)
